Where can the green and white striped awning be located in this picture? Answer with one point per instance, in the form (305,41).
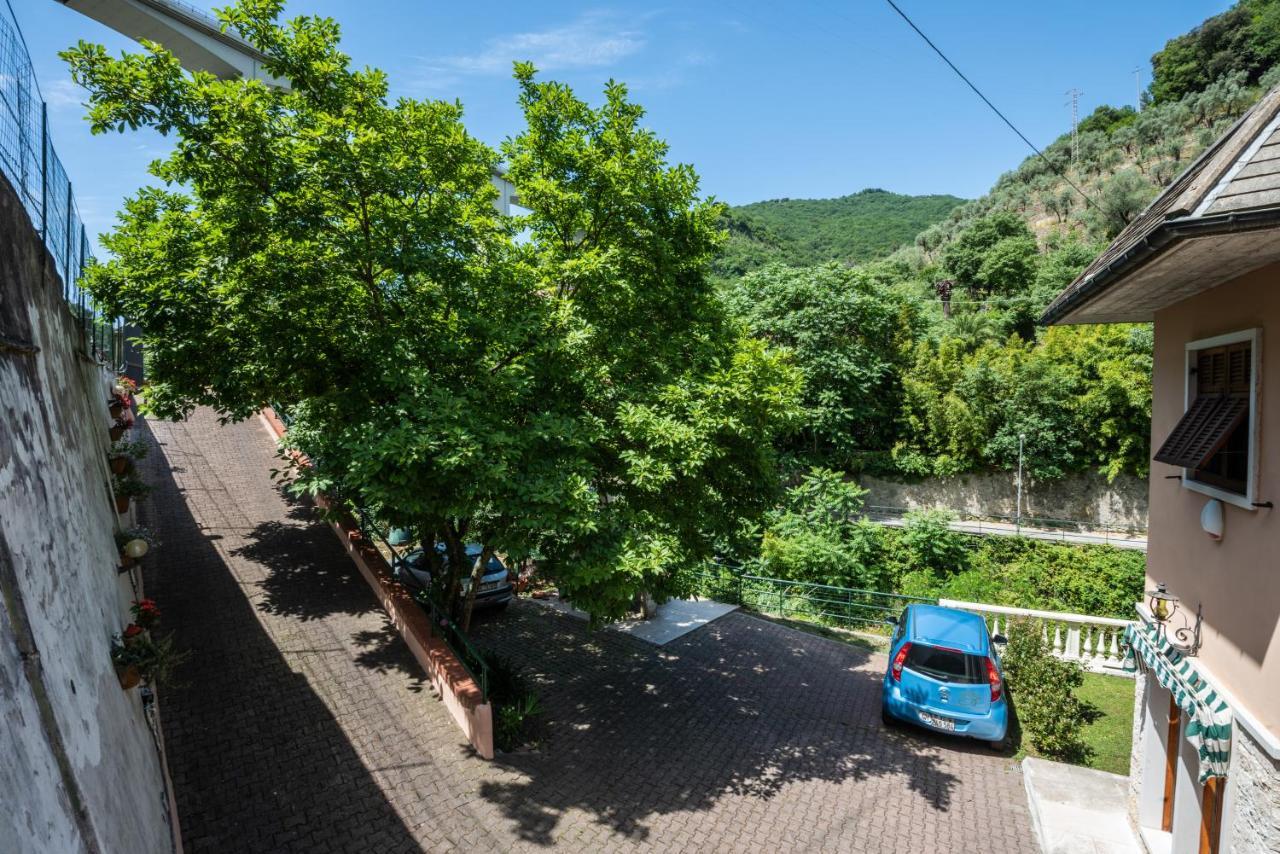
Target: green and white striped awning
(1209,727)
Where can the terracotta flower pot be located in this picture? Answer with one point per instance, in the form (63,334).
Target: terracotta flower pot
(116,408)
(129,676)
(120,465)
(117,432)
(122,504)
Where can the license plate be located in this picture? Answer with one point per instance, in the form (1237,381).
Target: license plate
(490,585)
(935,721)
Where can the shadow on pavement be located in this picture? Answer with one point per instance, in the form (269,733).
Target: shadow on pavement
(739,708)
(259,763)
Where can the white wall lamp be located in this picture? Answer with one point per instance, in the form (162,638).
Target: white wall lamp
(1211,519)
(1164,607)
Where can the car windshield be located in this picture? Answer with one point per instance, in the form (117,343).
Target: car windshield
(948,665)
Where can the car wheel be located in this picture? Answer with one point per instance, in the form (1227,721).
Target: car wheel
(1000,745)
(887,719)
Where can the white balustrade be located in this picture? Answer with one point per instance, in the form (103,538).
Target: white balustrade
(1092,641)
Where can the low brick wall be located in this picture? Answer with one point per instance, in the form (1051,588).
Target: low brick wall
(459,692)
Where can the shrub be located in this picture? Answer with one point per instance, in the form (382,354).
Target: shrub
(930,541)
(1042,686)
(515,705)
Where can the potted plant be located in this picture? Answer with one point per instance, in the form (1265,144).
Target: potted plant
(145,656)
(124,391)
(133,543)
(115,406)
(125,488)
(125,654)
(146,614)
(117,430)
(123,454)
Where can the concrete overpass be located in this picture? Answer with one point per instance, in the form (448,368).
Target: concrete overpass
(196,38)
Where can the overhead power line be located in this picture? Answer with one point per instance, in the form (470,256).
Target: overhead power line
(1053,166)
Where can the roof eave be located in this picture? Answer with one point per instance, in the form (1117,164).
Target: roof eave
(1146,249)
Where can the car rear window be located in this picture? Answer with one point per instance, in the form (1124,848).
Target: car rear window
(948,665)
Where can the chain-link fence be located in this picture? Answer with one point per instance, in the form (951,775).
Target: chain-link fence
(29,161)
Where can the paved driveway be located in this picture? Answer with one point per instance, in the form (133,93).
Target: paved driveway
(303,723)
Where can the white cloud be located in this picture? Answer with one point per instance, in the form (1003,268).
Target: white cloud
(64,94)
(593,40)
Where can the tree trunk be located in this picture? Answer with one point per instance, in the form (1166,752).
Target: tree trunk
(456,550)
(477,573)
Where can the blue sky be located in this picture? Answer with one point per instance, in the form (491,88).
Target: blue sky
(767,100)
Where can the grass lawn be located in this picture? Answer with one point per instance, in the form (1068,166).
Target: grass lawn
(1109,734)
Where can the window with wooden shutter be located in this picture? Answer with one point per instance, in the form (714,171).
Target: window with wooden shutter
(1213,439)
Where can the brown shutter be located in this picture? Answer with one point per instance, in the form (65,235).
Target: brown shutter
(1239,368)
(1211,371)
(1203,429)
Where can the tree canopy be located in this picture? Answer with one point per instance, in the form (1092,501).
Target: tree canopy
(577,392)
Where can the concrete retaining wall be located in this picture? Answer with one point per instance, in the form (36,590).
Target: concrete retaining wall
(1085,496)
(79,767)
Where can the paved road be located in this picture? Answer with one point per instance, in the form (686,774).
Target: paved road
(305,725)
(1008,529)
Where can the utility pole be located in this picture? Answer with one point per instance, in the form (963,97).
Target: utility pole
(1137,88)
(1018,516)
(1074,94)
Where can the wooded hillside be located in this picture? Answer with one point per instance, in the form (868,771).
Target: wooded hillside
(851,229)
(929,360)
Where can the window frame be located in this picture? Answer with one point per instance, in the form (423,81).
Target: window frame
(1254,337)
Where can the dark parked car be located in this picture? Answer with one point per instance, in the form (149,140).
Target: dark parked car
(496,591)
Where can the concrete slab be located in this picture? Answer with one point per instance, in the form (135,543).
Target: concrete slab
(1078,810)
(675,618)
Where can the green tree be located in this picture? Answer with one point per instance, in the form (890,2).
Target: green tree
(817,535)
(847,337)
(931,543)
(995,255)
(578,392)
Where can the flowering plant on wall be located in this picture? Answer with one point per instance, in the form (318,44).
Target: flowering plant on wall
(146,614)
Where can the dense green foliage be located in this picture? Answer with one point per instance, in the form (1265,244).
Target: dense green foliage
(1244,41)
(578,391)
(818,536)
(850,229)
(848,337)
(1042,688)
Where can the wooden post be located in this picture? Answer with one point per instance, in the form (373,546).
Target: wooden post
(1171,763)
(1211,815)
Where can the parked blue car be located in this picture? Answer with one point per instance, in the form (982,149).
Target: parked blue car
(944,674)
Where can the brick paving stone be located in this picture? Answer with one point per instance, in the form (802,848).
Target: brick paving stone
(303,723)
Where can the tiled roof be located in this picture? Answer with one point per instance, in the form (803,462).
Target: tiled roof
(1239,172)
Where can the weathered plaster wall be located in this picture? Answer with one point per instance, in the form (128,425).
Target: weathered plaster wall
(1085,496)
(79,769)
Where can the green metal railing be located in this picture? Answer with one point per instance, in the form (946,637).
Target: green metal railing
(848,607)
(442,624)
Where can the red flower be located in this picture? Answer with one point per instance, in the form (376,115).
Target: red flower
(132,632)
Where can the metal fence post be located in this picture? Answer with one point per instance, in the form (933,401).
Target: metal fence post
(44,177)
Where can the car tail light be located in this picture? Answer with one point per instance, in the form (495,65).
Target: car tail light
(993,678)
(899,660)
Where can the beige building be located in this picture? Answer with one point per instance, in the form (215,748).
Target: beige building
(1203,264)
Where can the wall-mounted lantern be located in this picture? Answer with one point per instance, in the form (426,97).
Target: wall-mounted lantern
(1164,607)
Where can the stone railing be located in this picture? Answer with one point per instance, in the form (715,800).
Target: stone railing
(1092,641)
